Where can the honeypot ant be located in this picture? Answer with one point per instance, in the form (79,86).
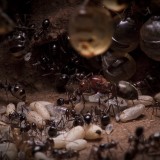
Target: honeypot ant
(16,90)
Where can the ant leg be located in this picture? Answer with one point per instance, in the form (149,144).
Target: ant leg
(83,100)
(6,90)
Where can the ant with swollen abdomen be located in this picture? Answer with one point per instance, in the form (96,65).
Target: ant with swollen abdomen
(16,90)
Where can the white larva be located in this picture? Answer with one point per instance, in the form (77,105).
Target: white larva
(10,108)
(10,150)
(40,108)
(93,132)
(75,133)
(44,103)
(40,156)
(142,99)
(157,97)
(132,113)
(33,116)
(77,145)
(60,141)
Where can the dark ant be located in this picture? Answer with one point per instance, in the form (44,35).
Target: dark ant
(16,116)
(52,131)
(103,150)
(62,154)
(105,119)
(55,127)
(137,144)
(19,40)
(25,128)
(43,30)
(61,82)
(46,65)
(87,118)
(76,118)
(149,84)
(71,99)
(16,90)
(3,156)
(152,144)
(39,148)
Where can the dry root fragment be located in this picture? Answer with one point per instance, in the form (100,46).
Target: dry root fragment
(77,145)
(93,132)
(40,108)
(10,108)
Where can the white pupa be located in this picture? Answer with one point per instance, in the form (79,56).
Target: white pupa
(132,113)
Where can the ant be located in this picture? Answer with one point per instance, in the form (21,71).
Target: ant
(152,144)
(16,90)
(43,30)
(149,84)
(54,127)
(71,99)
(137,144)
(62,153)
(3,156)
(102,151)
(76,118)
(98,83)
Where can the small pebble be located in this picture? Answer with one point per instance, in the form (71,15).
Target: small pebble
(77,145)
(132,113)
(109,128)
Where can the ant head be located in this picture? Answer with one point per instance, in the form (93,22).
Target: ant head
(88,118)
(139,131)
(18,91)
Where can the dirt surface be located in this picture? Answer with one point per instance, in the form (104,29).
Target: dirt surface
(121,132)
(41,88)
